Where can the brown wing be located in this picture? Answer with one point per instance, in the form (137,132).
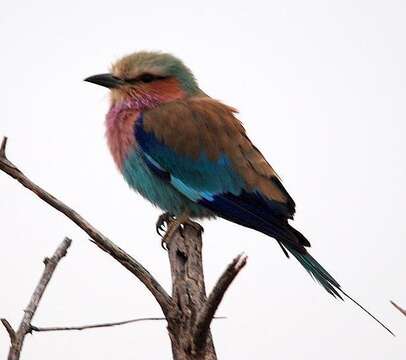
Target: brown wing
(201,124)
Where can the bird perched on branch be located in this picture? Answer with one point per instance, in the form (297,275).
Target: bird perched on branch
(189,155)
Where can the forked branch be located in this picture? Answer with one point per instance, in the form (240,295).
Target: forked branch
(188,312)
(17,337)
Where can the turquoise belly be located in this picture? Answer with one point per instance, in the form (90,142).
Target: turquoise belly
(157,191)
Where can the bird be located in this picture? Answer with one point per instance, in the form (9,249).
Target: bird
(188,154)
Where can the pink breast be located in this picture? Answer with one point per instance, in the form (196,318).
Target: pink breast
(120,133)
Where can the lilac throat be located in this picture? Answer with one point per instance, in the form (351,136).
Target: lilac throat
(135,104)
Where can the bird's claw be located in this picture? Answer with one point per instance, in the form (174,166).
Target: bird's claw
(164,245)
(173,224)
(163,222)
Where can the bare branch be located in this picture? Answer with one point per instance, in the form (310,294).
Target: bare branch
(29,312)
(3,147)
(163,299)
(10,330)
(403,311)
(93,326)
(206,315)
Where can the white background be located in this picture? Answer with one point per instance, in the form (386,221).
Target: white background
(320,86)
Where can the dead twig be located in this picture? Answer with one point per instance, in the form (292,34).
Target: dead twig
(3,147)
(206,314)
(403,311)
(10,330)
(93,326)
(17,337)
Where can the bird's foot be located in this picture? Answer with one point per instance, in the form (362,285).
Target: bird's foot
(163,222)
(172,227)
(177,224)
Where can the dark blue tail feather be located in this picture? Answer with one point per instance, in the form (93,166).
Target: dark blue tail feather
(321,275)
(254,211)
(316,271)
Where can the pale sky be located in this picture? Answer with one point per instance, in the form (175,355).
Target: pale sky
(320,86)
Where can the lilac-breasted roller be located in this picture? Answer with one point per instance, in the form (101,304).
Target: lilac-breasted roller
(189,155)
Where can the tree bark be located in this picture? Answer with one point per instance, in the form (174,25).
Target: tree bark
(188,295)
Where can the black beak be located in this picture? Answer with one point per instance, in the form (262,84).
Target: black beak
(106,80)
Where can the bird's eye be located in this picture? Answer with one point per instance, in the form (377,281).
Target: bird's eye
(146,78)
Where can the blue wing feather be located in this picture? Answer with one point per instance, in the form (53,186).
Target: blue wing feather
(195,175)
(217,186)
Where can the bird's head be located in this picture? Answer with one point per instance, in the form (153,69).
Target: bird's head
(148,78)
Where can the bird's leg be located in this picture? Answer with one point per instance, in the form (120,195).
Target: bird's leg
(176,224)
(163,221)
